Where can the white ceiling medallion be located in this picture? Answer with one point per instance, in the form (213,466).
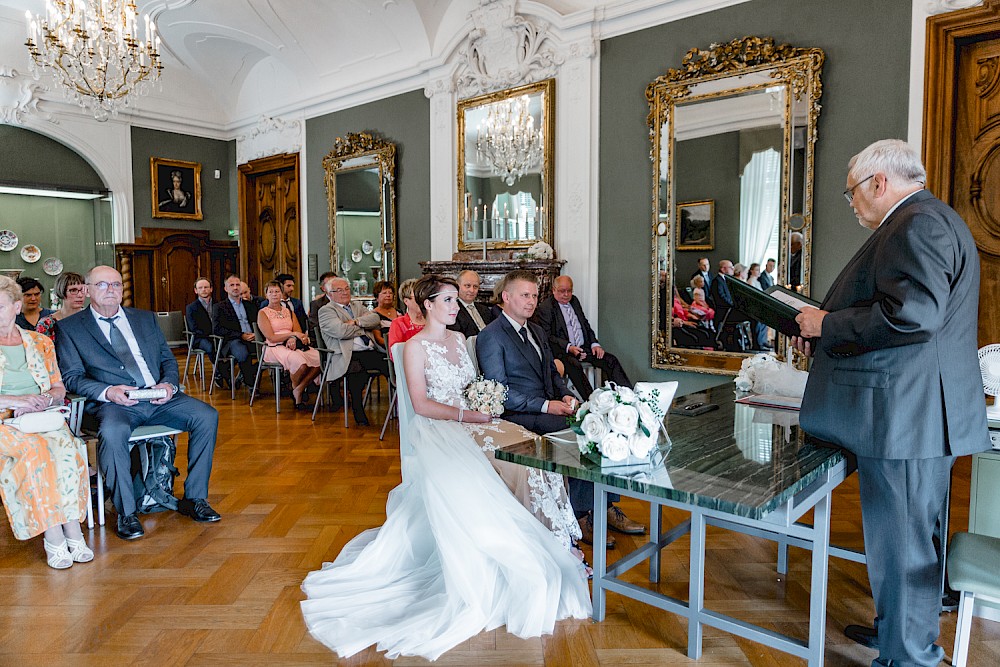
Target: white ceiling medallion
(270,136)
(19,95)
(504,50)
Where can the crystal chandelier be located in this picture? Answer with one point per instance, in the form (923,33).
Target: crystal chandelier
(507,139)
(92,49)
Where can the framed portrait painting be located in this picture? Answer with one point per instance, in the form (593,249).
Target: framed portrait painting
(176,186)
(696,225)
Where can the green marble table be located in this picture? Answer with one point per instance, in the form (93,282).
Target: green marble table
(739,467)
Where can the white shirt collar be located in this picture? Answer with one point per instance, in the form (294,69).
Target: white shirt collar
(464,303)
(98,316)
(897,205)
(513,322)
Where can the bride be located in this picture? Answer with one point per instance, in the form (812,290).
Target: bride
(458,553)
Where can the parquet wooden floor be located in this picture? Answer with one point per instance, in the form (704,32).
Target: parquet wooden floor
(291,492)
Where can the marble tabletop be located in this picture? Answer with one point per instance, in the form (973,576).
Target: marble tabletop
(738,459)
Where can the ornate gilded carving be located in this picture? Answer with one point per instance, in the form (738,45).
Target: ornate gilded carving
(358,144)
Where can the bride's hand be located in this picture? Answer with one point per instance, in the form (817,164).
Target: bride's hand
(474,417)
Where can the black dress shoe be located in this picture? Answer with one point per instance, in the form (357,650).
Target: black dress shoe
(361,419)
(198,509)
(128,527)
(867,637)
(221,382)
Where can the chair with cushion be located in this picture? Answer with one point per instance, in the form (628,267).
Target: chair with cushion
(974,570)
(470,345)
(274,367)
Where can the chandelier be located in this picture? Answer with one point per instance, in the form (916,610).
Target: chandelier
(92,49)
(507,139)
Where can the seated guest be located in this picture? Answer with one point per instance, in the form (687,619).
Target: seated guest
(727,313)
(403,328)
(72,292)
(767,277)
(685,332)
(247,295)
(753,276)
(345,326)
(472,317)
(572,339)
(318,303)
(231,319)
(700,309)
(703,272)
(740,272)
(198,315)
(287,282)
(104,352)
(31,304)
(385,306)
(43,476)
(285,341)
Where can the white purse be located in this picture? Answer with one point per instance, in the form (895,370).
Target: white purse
(44,421)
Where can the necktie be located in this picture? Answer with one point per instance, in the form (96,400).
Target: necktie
(124,352)
(476,317)
(524,335)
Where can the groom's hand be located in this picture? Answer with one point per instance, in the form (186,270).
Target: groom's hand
(560,408)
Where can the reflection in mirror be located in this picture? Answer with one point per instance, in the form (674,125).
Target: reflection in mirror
(360,186)
(733,138)
(505,167)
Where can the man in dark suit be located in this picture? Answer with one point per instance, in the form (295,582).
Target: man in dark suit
(767,275)
(703,271)
(198,315)
(104,352)
(233,319)
(726,312)
(895,380)
(572,339)
(287,281)
(472,317)
(515,351)
(318,303)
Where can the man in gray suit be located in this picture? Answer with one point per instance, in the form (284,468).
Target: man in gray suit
(895,380)
(344,326)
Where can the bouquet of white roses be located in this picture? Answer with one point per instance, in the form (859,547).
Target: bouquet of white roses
(540,250)
(764,374)
(486,396)
(618,422)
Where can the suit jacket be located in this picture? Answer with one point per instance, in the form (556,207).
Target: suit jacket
(722,301)
(504,357)
(338,335)
(707,275)
(198,319)
(89,364)
(895,374)
(314,307)
(464,322)
(225,323)
(765,280)
(550,317)
(299,310)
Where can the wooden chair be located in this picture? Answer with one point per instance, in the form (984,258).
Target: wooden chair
(973,569)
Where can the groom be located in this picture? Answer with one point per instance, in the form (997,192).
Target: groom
(514,351)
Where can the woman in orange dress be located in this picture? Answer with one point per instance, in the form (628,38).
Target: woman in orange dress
(285,342)
(43,476)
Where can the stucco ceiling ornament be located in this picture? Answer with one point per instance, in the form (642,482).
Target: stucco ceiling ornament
(19,95)
(504,50)
(270,136)
(942,6)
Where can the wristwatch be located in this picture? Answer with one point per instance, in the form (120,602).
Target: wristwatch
(174,388)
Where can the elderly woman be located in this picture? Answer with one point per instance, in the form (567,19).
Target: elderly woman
(71,288)
(385,306)
(43,476)
(285,342)
(406,327)
(31,304)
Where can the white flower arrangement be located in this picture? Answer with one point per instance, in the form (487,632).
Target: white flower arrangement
(540,250)
(486,396)
(617,423)
(764,374)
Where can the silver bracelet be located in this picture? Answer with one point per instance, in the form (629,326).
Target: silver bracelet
(461,411)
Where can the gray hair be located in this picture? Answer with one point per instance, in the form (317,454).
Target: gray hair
(406,287)
(892,157)
(328,283)
(10,287)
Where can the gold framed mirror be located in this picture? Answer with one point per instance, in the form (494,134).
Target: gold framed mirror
(360,179)
(506,167)
(733,135)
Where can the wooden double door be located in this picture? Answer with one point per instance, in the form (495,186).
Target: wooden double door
(269,219)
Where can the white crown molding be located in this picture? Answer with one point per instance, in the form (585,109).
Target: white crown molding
(270,136)
(933,7)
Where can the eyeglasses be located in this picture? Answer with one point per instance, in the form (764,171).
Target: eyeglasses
(79,289)
(105,285)
(337,290)
(849,192)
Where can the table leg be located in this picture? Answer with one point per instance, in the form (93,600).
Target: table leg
(655,531)
(782,555)
(696,585)
(817,593)
(600,549)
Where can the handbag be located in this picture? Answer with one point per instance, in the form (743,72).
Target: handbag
(44,421)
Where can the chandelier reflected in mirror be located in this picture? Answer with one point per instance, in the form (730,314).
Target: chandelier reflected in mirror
(92,48)
(507,139)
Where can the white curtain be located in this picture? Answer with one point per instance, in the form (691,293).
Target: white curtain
(760,204)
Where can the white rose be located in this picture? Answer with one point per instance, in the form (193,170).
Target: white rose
(594,427)
(623,419)
(743,383)
(640,445)
(626,395)
(647,416)
(615,446)
(602,403)
(497,409)
(583,443)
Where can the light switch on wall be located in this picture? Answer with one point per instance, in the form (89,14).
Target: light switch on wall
(218,174)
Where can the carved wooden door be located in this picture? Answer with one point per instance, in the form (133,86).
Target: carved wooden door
(269,219)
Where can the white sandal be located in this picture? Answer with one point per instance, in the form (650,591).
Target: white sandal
(79,550)
(57,555)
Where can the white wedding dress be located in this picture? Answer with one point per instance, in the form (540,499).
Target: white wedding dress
(458,552)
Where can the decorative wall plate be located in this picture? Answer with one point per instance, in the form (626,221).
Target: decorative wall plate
(52,266)
(31,253)
(377,255)
(367,247)
(356,255)
(346,265)
(8,240)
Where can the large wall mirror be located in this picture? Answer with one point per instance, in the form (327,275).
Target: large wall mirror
(733,134)
(360,189)
(506,167)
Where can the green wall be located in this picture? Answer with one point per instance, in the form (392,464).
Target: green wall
(865,98)
(403,120)
(32,158)
(218,195)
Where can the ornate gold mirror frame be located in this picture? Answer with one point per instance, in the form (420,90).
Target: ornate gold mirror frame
(493,212)
(365,165)
(751,92)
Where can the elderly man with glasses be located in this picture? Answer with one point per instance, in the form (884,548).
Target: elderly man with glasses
(106,352)
(345,328)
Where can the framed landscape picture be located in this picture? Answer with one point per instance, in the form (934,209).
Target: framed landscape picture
(176,186)
(696,225)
